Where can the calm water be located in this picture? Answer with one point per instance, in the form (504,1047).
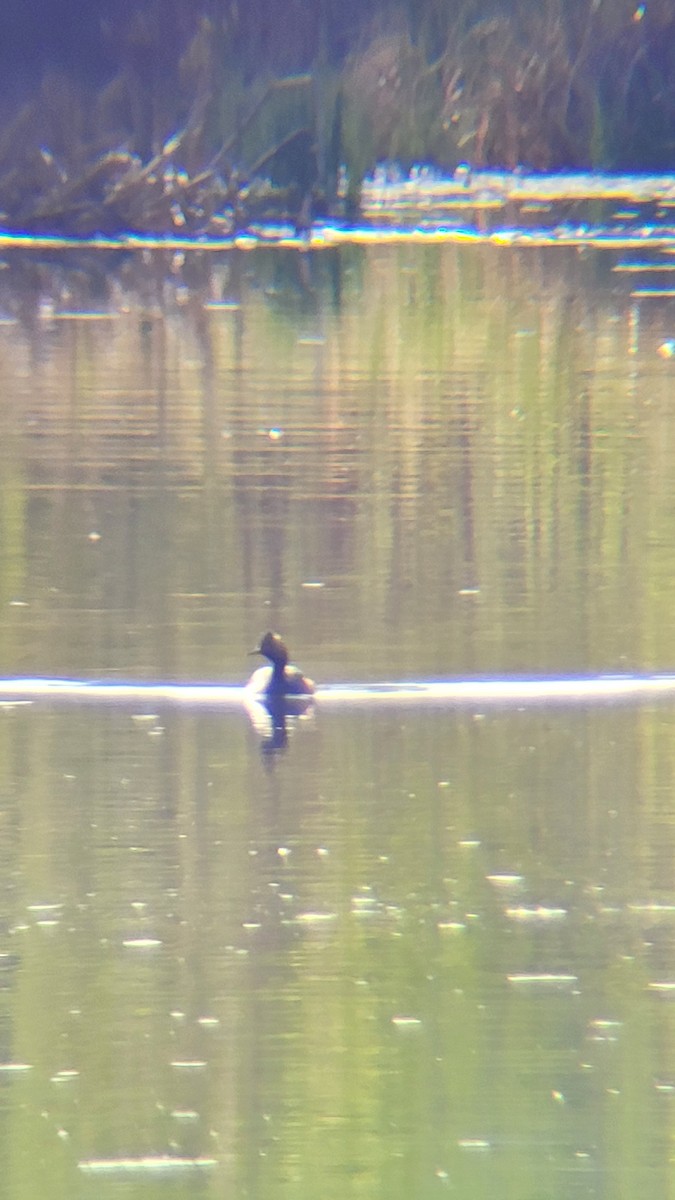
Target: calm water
(420,953)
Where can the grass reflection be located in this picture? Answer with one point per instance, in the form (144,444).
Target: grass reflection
(423,948)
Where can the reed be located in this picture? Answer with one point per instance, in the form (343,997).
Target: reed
(209,109)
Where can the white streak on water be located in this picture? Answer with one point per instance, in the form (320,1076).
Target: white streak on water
(599,689)
(159,1165)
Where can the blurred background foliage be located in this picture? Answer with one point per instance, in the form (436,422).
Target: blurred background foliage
(293,89)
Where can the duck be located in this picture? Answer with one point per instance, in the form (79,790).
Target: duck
(280,679)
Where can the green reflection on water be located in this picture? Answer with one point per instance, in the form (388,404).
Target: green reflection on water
(412,955)
(440,461)
(409,954)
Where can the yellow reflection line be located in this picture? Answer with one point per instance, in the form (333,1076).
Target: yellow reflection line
(327,237)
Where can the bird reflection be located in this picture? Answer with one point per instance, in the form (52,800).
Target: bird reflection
(273,716)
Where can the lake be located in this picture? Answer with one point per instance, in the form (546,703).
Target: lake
(425,949)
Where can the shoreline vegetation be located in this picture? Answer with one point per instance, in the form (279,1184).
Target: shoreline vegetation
(208,121)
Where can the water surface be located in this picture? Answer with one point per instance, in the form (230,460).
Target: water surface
(429,948)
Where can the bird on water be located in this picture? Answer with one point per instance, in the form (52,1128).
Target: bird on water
(280,679)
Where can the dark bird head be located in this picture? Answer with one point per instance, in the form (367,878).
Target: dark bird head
(272,647)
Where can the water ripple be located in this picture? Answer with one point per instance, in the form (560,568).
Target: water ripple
(441,692)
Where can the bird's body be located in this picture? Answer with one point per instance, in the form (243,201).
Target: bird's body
(280,679)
